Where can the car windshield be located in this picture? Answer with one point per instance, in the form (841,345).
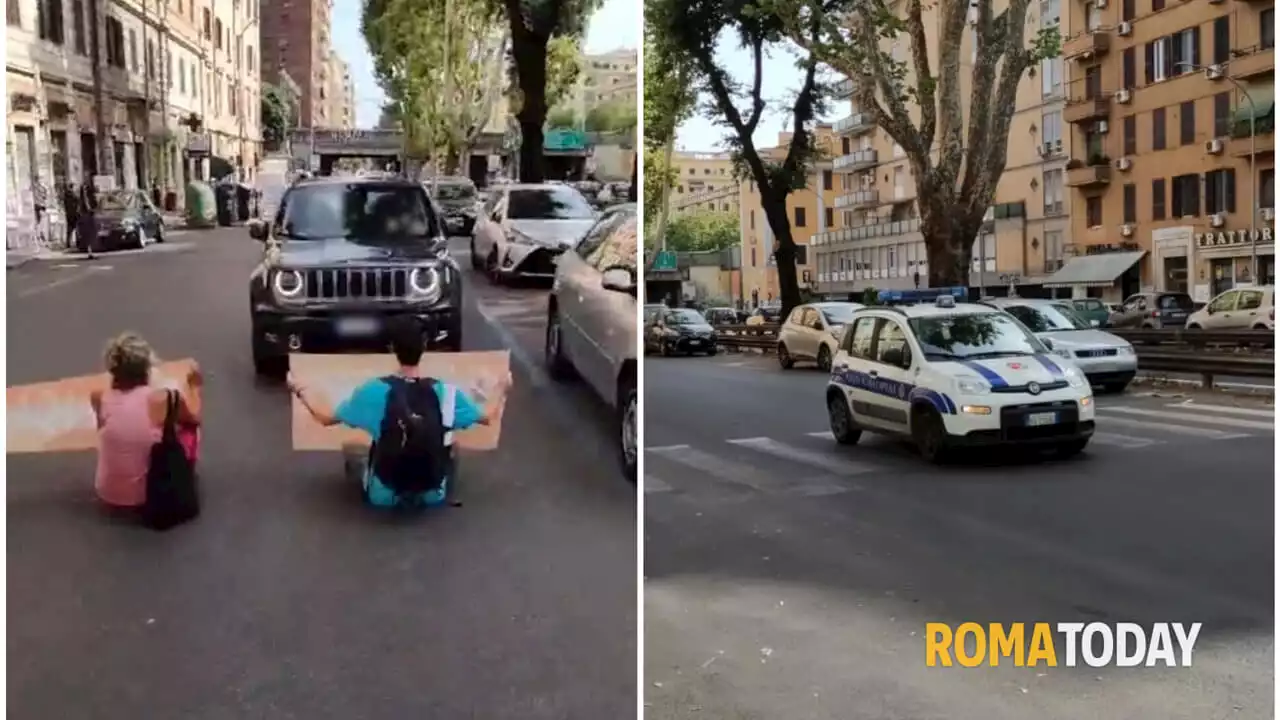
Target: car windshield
(973,336)
(366,211)
(838,314)
(115,200)
(1047,318)
(553,203)
(651,312)
(684,317)
(1177,301)
(455,191)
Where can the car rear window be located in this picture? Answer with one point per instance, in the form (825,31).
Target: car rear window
(1175,301)
(552,203)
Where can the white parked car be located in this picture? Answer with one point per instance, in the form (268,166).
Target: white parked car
(812,332)
(524,228)
(1251,308)
(1108,361)
(952,375)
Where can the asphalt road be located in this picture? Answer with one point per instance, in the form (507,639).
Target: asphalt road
(288,598)
(790,578)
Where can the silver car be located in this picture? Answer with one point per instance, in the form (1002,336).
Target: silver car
(522,229)
(591,321)
(1108,361)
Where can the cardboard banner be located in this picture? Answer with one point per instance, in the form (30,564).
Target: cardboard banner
(57,417)
(334,377)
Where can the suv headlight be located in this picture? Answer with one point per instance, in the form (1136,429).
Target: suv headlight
(287,283)
(425,283)
(972,386)
(1074,377)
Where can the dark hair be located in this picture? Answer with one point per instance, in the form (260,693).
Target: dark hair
(406,340)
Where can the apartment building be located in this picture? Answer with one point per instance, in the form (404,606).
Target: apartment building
(1163,97)
(179,87)
(296,39)
(340,94)
(876,241)
(610,76)
(811,213)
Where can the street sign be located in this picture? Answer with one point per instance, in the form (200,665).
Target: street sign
(665,260)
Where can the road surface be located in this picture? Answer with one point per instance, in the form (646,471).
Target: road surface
(789,578)
(288,598)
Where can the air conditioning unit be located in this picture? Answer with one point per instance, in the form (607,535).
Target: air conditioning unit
(1214,146)
(1214,72)
(1101,127)
(1042,150)
(1217,220)
(1126,230)
(1123,164)
(1268,214)
(1123,97)
(1125,28)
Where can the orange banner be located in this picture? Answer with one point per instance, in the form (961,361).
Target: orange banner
(57,417)
(334,377)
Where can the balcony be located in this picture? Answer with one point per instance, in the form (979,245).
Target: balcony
(844,89)
(855,161)
(1087,46)
(1089,176)
(1243,147)
(855,124)
(1083,110)
(858,200)
(1254,65)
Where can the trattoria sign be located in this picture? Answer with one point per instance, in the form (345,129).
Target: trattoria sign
(1228,238)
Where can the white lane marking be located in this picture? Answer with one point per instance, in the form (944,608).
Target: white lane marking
(1128,442)
(819,459)
(718,467)
(1194,418)
(1252,412)
(1202,433)
(655,485)
(825,435)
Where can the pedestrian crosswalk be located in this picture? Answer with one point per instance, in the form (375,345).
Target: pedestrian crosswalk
(810,464)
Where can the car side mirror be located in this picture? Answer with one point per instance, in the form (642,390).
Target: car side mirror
(258,230)
(892,356)
(618,279)
(1048,343)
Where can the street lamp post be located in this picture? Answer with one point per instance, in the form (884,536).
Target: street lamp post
(1254,203)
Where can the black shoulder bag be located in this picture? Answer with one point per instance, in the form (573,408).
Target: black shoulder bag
(172,495)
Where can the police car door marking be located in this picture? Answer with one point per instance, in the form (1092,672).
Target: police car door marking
(987,373)
(885,387)
(1051,366)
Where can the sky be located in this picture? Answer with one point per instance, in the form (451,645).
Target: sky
(782,79)
(615,25)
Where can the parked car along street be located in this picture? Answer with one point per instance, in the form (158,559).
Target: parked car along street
(1240,309)
(1153,310)
(1108,361)
(458,200)
(524,228)
(679,330)
(812,332)
(128,219)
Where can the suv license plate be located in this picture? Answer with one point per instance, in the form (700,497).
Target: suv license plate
(695,342)
(357,327)
(1041,419)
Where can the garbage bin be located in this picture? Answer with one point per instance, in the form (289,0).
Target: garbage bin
(224,199)
(200,205)
(244,202)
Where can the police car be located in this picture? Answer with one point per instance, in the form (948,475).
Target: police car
(951,375)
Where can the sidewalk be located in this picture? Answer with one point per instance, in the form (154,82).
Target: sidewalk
(16,258)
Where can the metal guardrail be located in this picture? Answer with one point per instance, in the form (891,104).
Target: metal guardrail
(1180,351)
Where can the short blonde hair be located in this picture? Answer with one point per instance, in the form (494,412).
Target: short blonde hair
(129,358)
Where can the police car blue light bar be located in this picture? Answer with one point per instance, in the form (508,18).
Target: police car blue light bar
(915,297)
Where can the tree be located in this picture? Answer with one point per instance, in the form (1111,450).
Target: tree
(562,118)
(613,116)
(692,29)
(534,25)
(669,99)
(702,231)
(956,183)
(279,115)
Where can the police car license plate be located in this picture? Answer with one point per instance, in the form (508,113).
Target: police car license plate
(357,326)
(1041,419)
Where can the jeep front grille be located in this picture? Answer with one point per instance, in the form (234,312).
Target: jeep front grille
(356,284)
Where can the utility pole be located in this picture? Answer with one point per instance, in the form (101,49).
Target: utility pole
(106,155)
(149,64)
(165,81)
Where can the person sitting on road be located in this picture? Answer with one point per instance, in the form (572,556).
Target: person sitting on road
(130,417)
(410,422)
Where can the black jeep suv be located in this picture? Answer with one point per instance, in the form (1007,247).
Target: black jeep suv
(342,256)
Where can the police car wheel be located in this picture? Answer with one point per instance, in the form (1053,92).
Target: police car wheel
(930,434)
(843,428)
(824,359)
(784,357)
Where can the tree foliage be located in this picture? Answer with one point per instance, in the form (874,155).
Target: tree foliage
(669,99)
(616,116)
(702,231)
(956,146)
(692,30)
(562,117)
(279,115)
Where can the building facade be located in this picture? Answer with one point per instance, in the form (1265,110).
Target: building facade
(1163,99)
(339,97)
(296,39)
(876,240)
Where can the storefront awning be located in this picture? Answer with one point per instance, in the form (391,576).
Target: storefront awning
(1094,270)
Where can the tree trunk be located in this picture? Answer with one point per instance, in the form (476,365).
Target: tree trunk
(664,204)
(949,233)
(784,253)
(451,162)
(530,53)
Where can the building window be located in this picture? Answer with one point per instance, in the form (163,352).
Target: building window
(844,146)
(1053,191)
(1157,199)
(1093,83)
(1267,20)
(1186,196)
(1051,77)
(1130,125)
(1267,188)
(208,23)
(1220,191)
(830,216)
(12,14)
(115,43)
(1157,5)
(799,217)
(182,76)
(248,56)
(752,215)
(1222,114)
(151,59)
(1129,69)
(1187,122)
(1221,39)
(133,50)
(49,18)
(1157,129)
(1185,47)
(1128,9)
(1130,203)
(1093,211)
(1051,132)
(77,20)
(826,179)
(1050,13)
(217,31)
(1158,60)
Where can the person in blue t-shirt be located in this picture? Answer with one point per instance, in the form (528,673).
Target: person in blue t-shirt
(365,408)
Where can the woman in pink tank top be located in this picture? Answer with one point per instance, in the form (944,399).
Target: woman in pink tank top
(130,415)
